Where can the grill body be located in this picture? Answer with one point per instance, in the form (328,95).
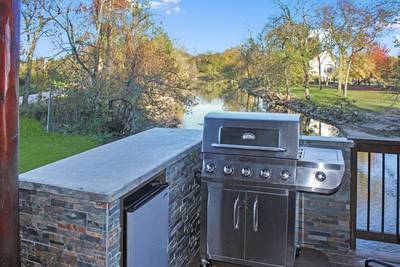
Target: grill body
(252,168)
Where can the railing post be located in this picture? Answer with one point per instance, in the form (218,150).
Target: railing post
(353,198)
(9,68)
(382,146)
(398,200)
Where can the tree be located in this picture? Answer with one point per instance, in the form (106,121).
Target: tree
(292,32)
(292,35)
(251,54)
(323,48)
(84,30)
(232,63)
(115,50)
(354,27)
(264,69)
(277,36)
(211,64)
(34,23)
(321,58)
(308,46)
(379,55)
(306,43)
(363,67)
(375,63)
(395,74)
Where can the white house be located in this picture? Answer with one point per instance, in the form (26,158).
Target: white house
(328,66)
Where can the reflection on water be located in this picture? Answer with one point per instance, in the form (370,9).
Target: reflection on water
(194,118)
(390,188)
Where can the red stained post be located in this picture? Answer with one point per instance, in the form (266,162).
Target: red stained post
(9,67)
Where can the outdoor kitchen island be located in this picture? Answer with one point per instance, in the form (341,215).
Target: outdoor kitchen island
(71,211)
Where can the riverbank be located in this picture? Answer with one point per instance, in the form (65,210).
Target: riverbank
(366,98)
(364,113)
(351,121)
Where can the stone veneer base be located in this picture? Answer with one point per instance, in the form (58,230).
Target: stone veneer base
(59,230)
(324,220)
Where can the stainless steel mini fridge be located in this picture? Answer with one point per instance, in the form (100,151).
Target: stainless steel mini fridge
(147,226)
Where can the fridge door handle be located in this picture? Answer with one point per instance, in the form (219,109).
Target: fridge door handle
(255,215)
(236,213)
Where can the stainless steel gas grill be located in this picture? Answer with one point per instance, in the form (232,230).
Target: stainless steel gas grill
(252,168)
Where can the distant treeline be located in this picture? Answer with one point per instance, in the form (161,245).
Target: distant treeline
(280,56)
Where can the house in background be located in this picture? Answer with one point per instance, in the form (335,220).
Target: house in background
(328,66)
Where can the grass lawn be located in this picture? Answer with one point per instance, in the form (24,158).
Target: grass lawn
(38,148)
(368,100)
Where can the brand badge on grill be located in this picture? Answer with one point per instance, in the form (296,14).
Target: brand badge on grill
(249,136)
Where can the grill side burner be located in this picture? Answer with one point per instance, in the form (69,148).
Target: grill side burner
(252,168)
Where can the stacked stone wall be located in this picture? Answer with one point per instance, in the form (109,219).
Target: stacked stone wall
(324,220)
(184,209)
(64,230)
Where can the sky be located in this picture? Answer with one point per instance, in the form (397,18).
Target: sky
(202,26)
(215,25)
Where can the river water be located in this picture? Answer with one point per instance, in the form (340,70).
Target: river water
(390,188)
(194,120)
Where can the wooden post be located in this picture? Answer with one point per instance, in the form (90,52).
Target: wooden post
(49,103)
(9,67)
(353,198)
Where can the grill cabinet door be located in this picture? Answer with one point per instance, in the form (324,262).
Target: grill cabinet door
(225,223)
(266,227)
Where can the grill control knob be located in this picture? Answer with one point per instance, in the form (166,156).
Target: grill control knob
(210,167)
(265,173)
(320,176)
(285,175)
(228,170)
(246,172)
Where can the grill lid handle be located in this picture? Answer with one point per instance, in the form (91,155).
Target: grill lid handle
(261,148)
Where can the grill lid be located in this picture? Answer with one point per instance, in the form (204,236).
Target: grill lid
(256,134)
(263,149)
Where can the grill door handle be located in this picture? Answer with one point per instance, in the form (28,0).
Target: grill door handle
(261,148)
(255,215)
(236,213)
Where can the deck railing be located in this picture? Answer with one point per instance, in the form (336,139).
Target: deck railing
(380,148)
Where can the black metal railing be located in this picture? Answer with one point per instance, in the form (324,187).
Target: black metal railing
(379,148)
(375,263)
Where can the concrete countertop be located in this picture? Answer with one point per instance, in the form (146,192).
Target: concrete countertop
(108,172)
